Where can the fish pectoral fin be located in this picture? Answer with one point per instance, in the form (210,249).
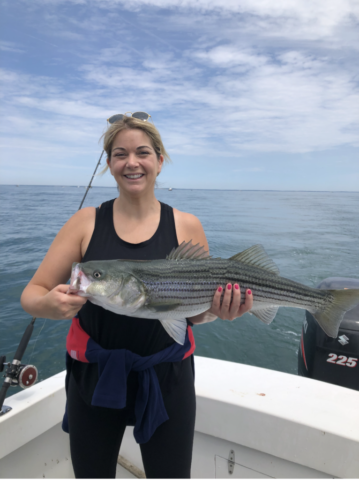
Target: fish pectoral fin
(163,306)
(257,257)
(265,315)
(176,329)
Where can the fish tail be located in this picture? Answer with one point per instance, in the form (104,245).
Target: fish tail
(332,315)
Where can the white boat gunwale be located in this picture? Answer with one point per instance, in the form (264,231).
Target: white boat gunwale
(281,419)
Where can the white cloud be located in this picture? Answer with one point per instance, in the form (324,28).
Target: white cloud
(220,79)
(230,56)
(10,47)
(288,102)
(290,18)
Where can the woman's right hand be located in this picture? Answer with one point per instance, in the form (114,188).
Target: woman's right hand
(55,304)
(60,305)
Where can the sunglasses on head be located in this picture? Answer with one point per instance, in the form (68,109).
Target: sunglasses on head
(120,116)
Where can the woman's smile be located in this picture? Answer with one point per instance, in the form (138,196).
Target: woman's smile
(134,176)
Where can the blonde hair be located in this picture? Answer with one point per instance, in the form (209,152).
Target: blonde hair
(131,123)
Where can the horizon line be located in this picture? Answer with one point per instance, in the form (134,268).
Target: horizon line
(177,188)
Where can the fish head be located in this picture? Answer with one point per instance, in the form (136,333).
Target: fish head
(109,284)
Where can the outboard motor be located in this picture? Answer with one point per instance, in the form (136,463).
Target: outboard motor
(332,360)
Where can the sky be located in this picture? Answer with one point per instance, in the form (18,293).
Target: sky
(247,94)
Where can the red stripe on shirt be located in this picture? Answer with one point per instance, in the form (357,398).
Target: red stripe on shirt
(76,341)
(192,342)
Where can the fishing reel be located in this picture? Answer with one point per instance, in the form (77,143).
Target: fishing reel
(18,374)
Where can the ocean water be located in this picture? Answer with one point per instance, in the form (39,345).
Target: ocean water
(309,235)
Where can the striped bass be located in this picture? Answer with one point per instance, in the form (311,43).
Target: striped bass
(183,285)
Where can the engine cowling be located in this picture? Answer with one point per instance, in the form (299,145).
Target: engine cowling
(332,360)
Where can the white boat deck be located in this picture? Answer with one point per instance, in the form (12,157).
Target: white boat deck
(277,425)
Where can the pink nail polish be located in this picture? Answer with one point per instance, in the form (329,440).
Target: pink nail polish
(229,287)
(249,292)
(236,286)
(219,289)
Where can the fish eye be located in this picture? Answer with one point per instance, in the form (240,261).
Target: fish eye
(97,274)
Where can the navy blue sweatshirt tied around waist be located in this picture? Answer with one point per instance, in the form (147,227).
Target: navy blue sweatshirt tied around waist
(113,369)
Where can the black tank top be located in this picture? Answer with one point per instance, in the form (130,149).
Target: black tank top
(114,331)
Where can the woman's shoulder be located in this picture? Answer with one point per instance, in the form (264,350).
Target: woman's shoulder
(83,216)
(77,226)
(187,220)
(189,227)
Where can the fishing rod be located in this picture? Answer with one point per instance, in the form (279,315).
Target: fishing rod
(18,374)
(93,176)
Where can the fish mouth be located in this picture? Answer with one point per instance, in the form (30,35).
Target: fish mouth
(78,282)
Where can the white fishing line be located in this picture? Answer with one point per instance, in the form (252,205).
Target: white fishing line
(33,348)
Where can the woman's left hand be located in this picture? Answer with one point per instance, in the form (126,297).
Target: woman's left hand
(230,307)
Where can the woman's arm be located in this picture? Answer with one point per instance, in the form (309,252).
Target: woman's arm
(45,295)
(188,227)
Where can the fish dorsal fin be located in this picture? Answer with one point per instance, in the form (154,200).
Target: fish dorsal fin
(188,251)
(257,257)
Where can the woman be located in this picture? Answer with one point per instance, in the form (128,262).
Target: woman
(133,226)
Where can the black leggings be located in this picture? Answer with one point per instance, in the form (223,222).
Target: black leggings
(96,434)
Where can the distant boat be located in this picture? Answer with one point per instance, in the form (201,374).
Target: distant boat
(170,189)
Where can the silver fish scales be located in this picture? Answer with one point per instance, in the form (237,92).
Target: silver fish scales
(183,286)
(186,282)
